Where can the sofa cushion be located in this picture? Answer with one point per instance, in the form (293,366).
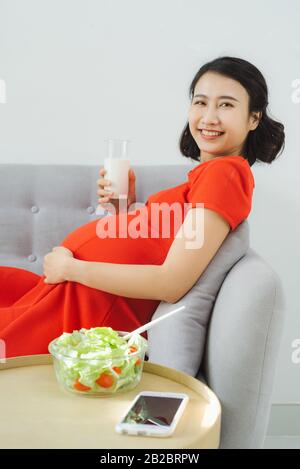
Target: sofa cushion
(178,342)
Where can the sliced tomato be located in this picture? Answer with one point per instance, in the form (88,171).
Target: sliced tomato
(117,370)
(80,387)
(138,362)
(105,380)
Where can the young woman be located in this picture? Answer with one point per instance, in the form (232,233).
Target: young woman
(91,281)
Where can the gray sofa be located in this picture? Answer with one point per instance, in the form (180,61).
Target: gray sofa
(41,204)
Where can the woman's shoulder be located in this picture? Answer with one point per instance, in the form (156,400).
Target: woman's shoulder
(221,167)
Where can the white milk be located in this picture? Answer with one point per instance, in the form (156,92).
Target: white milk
(117,172)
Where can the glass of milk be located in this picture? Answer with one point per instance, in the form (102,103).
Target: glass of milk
(117,165)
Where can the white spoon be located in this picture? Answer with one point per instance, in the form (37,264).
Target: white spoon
(150,324)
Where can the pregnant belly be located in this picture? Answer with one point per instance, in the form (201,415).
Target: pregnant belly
(86,244)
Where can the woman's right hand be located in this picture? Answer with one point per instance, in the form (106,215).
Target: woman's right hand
(105,197)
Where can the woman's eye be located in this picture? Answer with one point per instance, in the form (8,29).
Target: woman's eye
(202,102)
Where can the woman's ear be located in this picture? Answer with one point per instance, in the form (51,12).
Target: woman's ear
(255,119)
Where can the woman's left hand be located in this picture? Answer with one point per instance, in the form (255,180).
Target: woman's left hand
(55,264)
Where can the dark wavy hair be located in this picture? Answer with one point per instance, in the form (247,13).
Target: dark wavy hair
(262,144)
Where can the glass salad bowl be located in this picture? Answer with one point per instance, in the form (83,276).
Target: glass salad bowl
(98,361)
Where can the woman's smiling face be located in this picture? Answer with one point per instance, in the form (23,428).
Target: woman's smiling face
(223,105)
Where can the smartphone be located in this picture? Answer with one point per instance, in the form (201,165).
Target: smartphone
(153,414)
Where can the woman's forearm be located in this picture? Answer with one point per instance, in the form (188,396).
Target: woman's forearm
(132,281)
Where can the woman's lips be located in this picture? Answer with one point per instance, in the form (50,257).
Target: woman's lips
(210,137)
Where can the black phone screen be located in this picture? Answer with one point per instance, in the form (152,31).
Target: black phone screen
(153,410)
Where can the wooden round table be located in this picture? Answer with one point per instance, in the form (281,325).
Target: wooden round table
(36,413)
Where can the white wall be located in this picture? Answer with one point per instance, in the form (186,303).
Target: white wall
(80,71)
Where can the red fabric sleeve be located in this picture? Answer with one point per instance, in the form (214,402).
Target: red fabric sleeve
(225,187)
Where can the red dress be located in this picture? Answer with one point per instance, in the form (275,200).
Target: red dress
(33,313)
